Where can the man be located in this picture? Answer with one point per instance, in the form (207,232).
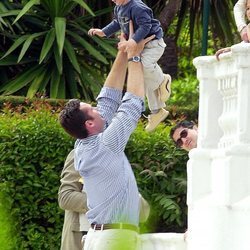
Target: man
(185,135)
(73,200)
(102,134)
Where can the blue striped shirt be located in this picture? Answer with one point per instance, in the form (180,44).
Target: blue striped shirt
(108,177)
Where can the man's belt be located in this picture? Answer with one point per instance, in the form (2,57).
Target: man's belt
(115,226)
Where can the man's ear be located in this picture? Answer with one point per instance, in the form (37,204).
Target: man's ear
(89,124)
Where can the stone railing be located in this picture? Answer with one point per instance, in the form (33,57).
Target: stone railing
(224,98)
(219,168)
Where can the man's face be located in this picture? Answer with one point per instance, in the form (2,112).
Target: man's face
(186,138)
(97,122)
(120,2)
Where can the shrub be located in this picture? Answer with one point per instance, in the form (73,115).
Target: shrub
(32,151)
(160,171)
(45,48)
(8,231)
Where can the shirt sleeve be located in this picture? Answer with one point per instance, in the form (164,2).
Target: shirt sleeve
(108,102)
(123,124)
(111,28)
(143,20)
(239,14)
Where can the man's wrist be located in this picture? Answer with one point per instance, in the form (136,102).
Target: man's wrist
(134,59)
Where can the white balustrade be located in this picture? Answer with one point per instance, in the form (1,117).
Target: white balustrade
(219,168)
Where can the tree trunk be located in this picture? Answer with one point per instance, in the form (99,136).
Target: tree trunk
(169,60)
(168,13)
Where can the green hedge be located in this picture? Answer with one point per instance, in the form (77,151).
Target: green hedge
(7,230)
(160,171)
(33,148)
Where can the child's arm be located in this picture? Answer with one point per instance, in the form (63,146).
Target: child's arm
(97,32)
(106,31)
(111,28)
(142,23)
(239,16)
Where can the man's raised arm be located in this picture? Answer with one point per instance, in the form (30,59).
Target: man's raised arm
(135,82)
(116,76)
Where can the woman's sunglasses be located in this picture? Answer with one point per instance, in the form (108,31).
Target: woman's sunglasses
(183,134)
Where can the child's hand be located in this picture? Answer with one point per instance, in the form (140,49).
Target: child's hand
(97,32)
(138,48)
(248,33)
(243,34)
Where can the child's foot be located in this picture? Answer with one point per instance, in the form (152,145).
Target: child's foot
(155,119)
(164,89)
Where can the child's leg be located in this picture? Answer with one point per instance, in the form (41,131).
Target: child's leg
(157,84)
(153,75)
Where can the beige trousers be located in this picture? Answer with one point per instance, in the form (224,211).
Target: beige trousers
(153,75)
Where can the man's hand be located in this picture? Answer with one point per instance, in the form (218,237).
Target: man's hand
(127,45)
(134,50)
(97,32)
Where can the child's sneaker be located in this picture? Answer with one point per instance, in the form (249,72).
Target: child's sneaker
(164,89)
(155,119)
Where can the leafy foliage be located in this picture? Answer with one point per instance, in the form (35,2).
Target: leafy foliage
(185,92)
(32,151)
(45,48)
(8,231)
(161,176)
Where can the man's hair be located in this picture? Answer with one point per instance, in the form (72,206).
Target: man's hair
(72,119)
(181,124)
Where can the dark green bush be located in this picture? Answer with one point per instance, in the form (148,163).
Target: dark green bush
(160,171)
(33,148)
(7,230)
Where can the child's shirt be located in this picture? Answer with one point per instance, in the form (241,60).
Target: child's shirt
(142,17)
(240,14)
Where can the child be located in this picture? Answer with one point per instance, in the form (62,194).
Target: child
(241,12)
(242,7)
(157,84)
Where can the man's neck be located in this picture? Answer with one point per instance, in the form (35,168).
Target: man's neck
(125,2)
